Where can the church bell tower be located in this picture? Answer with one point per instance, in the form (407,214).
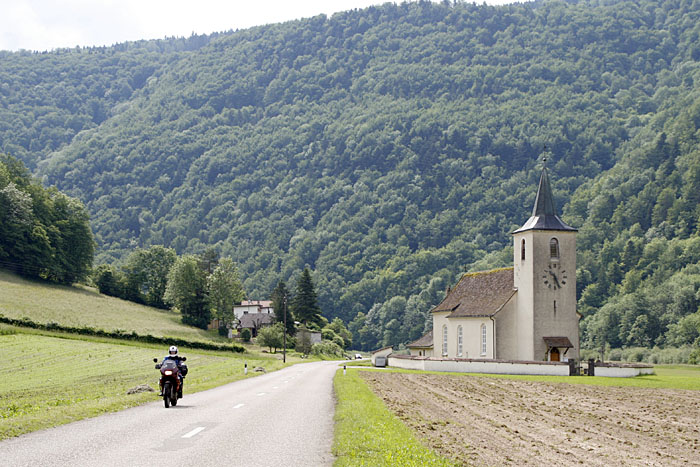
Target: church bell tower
(544,273)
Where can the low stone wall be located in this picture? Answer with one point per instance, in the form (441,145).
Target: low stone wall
(511,367)
(465,365)
(622,370)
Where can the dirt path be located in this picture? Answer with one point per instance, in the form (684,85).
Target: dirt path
(488,421)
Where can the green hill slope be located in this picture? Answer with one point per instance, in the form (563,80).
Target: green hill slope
(82,307)
(388,148)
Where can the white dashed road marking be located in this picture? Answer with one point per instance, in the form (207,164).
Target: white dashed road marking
(193,432)
(238,406)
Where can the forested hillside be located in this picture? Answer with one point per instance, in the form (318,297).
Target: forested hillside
(390,149)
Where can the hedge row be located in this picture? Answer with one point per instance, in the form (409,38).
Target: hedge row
(121,334)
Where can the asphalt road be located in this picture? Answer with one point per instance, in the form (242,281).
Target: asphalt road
(284,418)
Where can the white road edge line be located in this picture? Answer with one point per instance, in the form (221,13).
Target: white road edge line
(193,432)
(238,406)
(261,394)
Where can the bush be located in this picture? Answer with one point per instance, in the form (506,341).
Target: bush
(326,348)
(245,335)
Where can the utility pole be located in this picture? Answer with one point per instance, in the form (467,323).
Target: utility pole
(284,335)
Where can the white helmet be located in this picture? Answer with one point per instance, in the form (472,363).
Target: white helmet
(172,350)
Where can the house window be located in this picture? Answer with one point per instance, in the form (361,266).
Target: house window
(444,340)
(522,250)
(554,248)
(459,341)
(483,340)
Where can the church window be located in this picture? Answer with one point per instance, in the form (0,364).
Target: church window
(444,340)
(554,248)
(483,340)
(522,250)
(460,341)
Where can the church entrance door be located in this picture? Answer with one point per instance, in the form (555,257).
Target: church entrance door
(554,355)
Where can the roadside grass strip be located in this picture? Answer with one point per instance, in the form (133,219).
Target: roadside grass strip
(48,381)
(368,434)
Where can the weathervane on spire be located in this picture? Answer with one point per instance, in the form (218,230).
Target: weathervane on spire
(544,156)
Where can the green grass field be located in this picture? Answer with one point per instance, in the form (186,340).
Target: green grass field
(47,381)
(367,434)
(71,306)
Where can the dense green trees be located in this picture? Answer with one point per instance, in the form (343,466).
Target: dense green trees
(388,147)
(43,233)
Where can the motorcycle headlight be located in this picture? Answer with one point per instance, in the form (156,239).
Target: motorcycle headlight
(168,372)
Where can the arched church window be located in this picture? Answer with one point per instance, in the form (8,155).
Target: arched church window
(522,250)
(460,341)
(554,248)
(483,340)
(444,340)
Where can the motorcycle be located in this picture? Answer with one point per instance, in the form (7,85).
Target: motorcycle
(170,381)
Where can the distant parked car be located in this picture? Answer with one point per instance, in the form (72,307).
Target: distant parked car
(358,356)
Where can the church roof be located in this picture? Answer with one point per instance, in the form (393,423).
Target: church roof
(544,213)
(479,294)
(425,341)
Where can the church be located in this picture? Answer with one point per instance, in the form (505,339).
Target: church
(526,312)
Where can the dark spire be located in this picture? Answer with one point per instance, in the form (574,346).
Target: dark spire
(544,214)
(544,201)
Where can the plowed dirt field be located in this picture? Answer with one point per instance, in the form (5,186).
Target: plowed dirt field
(487,421)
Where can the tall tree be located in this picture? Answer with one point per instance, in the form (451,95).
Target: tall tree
(147,272)
(225,290)
(187,290)
(280,303)
(304,305)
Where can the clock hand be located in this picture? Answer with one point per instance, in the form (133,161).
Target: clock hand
(556,281)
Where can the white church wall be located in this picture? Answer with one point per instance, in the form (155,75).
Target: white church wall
(440,320)
(471,337)
(506,343)
(523,272)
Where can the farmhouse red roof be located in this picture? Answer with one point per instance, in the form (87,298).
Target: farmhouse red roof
(479,294)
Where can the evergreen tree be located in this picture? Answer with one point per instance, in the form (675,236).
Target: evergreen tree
(304,305)
(280,303)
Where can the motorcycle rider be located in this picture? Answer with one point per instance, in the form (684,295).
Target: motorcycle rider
(172,355)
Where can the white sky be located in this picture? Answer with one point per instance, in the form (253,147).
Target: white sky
(48,24)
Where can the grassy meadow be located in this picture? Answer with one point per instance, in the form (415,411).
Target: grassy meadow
(368,434)
(48,380)
(73,306)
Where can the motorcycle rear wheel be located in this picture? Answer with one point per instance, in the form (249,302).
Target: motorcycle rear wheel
(166,394)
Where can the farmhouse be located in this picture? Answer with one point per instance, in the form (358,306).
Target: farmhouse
(253,307)
(526,312)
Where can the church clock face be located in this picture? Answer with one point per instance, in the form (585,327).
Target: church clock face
(554,278)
